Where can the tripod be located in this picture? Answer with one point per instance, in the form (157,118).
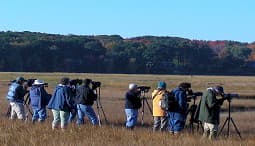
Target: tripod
(99,107)
(228,120)
(194,117)
(144,100)
(26,103)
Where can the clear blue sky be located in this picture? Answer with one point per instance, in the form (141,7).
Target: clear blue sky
(193,19)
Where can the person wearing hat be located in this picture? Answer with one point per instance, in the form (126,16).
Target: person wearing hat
(209,113)
(15,95)
(159,115)
(177,116)
(39,99)
(61,104)
(132,104)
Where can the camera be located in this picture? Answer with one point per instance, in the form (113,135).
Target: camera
(230,96)
(95,84)
(193,95)
(144,89)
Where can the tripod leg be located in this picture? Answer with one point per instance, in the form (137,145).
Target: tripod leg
(223,126)
(100,105)
(148,106)
(98,113)
(237,131)
(142,111)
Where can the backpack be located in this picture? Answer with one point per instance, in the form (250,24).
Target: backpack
(11,95)
(168,102)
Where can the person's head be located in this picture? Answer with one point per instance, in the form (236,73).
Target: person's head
(87,81)
(185,85)
(161,85)
(132,87)
(64,81)
(38,82)
(218,90)
(20,80)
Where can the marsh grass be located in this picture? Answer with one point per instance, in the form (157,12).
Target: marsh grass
(113,89)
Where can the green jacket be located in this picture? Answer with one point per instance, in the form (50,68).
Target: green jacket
(210,108)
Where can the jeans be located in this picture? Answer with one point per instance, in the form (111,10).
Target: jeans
(60,117)
(176,122)
(160,123)
(39,114)
(131,115)
(17,110)
(86,110)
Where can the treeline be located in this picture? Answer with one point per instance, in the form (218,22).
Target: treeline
(39,52)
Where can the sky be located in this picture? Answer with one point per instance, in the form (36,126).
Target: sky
(192,19)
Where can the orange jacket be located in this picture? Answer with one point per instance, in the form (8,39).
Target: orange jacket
(156,96)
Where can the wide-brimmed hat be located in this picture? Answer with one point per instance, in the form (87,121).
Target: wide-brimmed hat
(38,82)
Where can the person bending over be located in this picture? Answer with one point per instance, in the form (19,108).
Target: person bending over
(132,104)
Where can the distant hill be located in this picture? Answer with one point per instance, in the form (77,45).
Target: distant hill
(41,52)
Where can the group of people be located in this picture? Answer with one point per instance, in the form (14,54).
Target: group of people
(173,120)
(68,100)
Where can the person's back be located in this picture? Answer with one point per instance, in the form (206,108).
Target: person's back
(159,115)
(177,116)
(156,99)
(132,101)
(16,95)
(85,95)
(61,104)
(209,113)
(180,97)
(85,98)
(39,99)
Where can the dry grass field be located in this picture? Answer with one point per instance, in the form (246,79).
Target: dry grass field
(112,98)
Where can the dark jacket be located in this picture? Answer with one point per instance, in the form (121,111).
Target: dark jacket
(39,97)
(61,99)
(16,93)
(182,106)
(132,100)
(210,108)
(85,95)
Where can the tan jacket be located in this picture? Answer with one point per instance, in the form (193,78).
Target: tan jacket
(156,96)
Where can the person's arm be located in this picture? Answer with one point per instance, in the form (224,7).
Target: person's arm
(182,101)
(211,100)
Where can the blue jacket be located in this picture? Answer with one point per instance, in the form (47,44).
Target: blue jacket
(39,97)
(180,97)
(61,99)
(16,93)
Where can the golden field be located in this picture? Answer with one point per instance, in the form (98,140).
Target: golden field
(112,98)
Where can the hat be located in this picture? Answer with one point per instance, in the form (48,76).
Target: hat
(219,89)
(132,86)
(38,82)
(64,80)
(161,85)
(20,79)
